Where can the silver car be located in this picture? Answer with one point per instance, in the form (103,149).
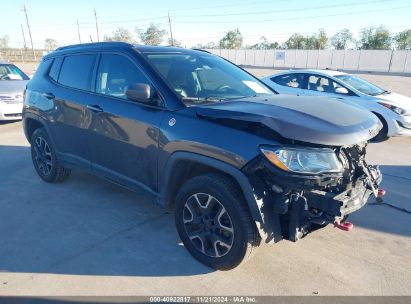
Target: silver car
(12,84)
(393,110)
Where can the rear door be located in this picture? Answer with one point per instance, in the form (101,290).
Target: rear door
(70,89)
(124,133)
(289,83)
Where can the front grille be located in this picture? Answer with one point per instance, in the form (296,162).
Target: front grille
(10,100)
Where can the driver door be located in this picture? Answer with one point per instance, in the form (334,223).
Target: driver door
(124,133)
(318,85)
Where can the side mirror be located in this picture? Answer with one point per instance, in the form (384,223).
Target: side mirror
(341,90)
(140,92)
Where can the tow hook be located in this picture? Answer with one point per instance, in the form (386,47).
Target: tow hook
(346,226)
(380,193)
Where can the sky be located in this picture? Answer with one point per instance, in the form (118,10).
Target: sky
(197,21)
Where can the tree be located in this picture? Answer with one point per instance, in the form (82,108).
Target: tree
(232,40)
(153,35)
(342,39)
(121,34)
(4,42)
(321,40)
(296,41)
(50,44)
(403,40)
(375,38)
(317,41)
(265,45)
(208,45)
(175,43)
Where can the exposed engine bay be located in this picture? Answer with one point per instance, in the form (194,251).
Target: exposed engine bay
(295,203)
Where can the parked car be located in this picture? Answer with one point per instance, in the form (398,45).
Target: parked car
(392,109)
(12,84)
(237,162)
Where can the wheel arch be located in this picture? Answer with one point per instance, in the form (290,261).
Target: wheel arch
(181,166)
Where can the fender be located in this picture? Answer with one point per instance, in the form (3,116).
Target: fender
(216,164)
(37,118)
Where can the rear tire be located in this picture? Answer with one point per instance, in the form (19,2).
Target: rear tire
(214,223)
(44,158)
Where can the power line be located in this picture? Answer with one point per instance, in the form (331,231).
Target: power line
(296,18)
(284,10)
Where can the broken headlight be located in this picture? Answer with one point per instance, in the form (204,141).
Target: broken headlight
(303,160)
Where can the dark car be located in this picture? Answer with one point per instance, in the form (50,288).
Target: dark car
(238,163)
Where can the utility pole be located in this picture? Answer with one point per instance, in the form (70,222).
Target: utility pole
(95,16)
(24,37)
(78,31)
(28,26)
(171,31)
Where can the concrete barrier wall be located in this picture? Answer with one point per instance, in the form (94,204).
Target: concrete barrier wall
(357,60)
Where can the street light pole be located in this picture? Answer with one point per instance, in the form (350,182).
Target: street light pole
(24,37)
(78,31)
(28,26)
(171,31)
(95,16)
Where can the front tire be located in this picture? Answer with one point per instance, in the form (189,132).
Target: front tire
(383,134)
(44,158)
(214,223)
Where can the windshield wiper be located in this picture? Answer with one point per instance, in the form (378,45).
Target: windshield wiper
(209,98)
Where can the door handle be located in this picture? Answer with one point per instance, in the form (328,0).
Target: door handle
(49,95)
(95,108)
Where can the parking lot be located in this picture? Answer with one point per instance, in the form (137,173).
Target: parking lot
(89,237)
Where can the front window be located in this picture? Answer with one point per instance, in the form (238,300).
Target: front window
(115,74)
(200,78)
(323,85)
(11,72)
(361,85)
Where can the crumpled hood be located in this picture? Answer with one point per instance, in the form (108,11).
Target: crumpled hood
(317,120)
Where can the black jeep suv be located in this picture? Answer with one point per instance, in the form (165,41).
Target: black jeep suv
(238,163)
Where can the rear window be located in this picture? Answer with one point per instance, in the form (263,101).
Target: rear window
(76,71)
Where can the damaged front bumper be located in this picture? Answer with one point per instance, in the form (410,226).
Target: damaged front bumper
(292,205)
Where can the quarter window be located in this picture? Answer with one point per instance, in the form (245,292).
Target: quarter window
(55,68)
(76,71)
(115,74)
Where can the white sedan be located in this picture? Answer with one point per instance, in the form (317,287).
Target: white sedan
(393,110)
(12,84)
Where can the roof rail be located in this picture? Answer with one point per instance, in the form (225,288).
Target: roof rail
(94,44)
(202,50)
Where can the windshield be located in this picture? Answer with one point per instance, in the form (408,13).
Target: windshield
(11,72)
(200,78)
(361,85)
